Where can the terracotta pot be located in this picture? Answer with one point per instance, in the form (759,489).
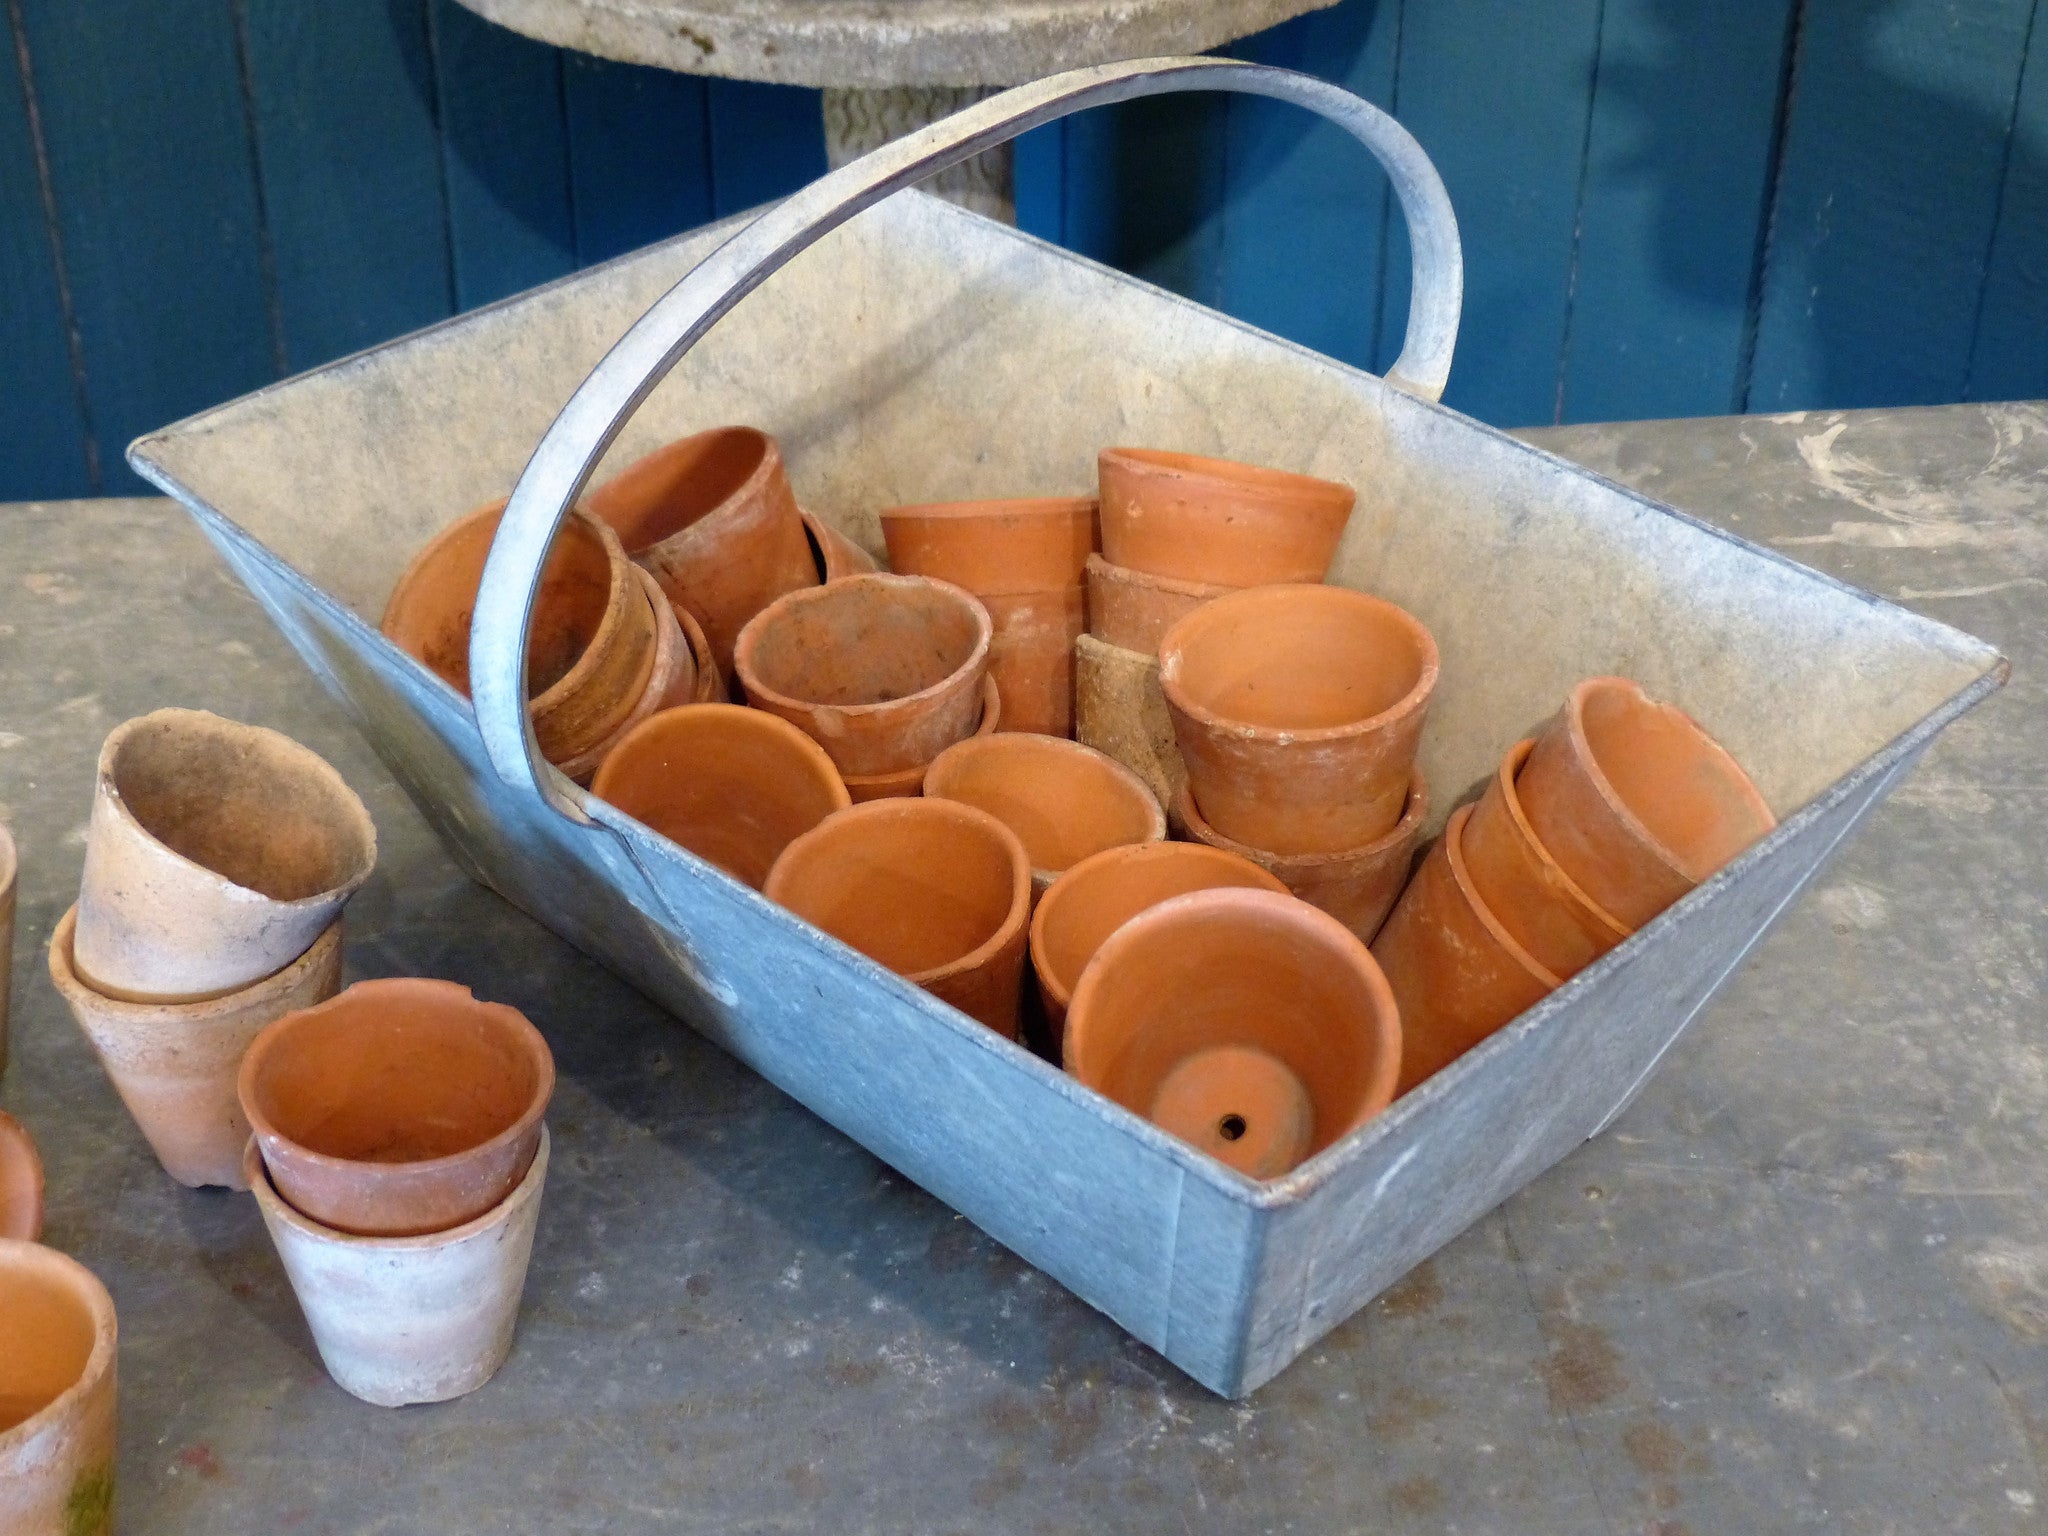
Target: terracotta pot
(1245,1022)
(57,1395)
(1634,801)
(1118,709)
(401,1107)
(175,1064)
(21,1183)
(910,781)
(994,548)
(1218,521)
(672,681)
(733,785)
(1357,887)
(1539,905)
(711,681)
(1297,710)
(8,866)
(713,517)
(836,555)
(1063,800)
(402,1320)
(937,891)
(590,644)
(1456,972)
(1134,610)
(1032,657)
(881,671)
(216,854)
(1102,892)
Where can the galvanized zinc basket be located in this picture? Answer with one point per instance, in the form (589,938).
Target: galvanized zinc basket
(917,353)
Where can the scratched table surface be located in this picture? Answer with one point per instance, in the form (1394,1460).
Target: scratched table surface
(1802,1283)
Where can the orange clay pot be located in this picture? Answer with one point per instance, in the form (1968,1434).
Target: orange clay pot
(1245,1022)
(57,1395)
(21,1183)
(1357,887)
(994,548)
(1102,892)
(1539,905)
(733,785)
(1135,610)
(1063,800)
(713,517)
(910,781)
(836,555)
(1456,972)
(883,672)
(401,1107)
(1031,657)
(1634,801)
(673,680)
(937,891)
(1297,710)
(1218,521)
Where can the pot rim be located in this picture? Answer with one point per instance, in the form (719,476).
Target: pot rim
(1024,744)
(1255,480)
(734,716)
(681,541)
(73,988)
(1454,850)
(1050,508)
(16,1135)
(671,646)
(989,723)
(1101,567)
(1510,765)
(1413,813)
(19,1253)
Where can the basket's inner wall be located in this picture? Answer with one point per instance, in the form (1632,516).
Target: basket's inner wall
(919,354)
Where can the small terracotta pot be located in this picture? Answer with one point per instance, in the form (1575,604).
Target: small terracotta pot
(910,781)
(1634,801)
(994,548)
(836,555)
(216,854)
(1357,887)
(175,1064)
(1456,972)
(1032,657)
(401,1107)
(1134,610)
(1118,709)
(402,1320)
(1298,710)
(1063,800)
(21,1184)
(710,680)
(881,671)
(937,891)
(1216,520)
(8,866)
(1538,904)
(1102,892)
(713,517)
(57,1395)
(1245,1022)
(672,681)
(733,785)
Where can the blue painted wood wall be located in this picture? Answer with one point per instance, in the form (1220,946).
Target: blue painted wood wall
(1670,207)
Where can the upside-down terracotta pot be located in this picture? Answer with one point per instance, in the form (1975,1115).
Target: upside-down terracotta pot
(1063,800)
(1298,710)
(1134,609)
(1456,972)
(1245,1022)
(418,1319)
(1634,801)
(175,1065)
(910,781)
(937,891)
(882,671)
(733,785)
(994,548)
(713,517)
(402,1106)
(1119,709)
(672,681)
(1102,892)
(1358,886)
(21,1183)
(1218,521)
(1539,905)
(837,556)
(57,1395)
(9,865)
(215,855)
(1031,657)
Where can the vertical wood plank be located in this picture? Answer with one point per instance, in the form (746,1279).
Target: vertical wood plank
(2009,356)
(1039,177)
(766,141)
(639,154)
(1143,190)
(1894,154)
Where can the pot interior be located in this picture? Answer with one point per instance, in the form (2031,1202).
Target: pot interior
(1687,791)
(865,640)
(676,486)
(46,1336)
(1299,658)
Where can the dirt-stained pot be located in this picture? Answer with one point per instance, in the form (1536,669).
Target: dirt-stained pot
(401,1107)
(215,855)
(57,1395)
(402,1320)
(1032,657)
(713,517)
(1245,1022)
(21,1182)
(1457,974)
(175,1064)
(910,781)
(733,785)
(937,891)
(1358,887)
(836,555)
(883,672)
(9,865)
(1634,801)
(1119,709)
(1134,609)
(672,681)
(1297,710)
(1218,521)
(994,548)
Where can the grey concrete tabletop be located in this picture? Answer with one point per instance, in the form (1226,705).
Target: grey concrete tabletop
(1802,1283)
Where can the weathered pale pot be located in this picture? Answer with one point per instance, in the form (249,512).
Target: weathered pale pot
(21,1183)
(1118,709)
(57,1395)
(994,548)
(1297,710)
(402,1106)
(672,680)
(1218,521)
(1245,1022)
(836,555)
(402,1320)
(910,781)
(9,866)
(1031,657)
(1135,609)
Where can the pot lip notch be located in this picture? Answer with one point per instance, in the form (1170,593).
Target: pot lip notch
(19,1253)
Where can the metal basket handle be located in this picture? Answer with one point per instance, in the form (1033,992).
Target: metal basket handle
(554,477)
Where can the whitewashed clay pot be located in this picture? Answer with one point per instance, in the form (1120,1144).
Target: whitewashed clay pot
(57,1395)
